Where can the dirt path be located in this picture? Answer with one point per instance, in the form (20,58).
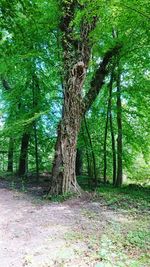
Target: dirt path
(38,234)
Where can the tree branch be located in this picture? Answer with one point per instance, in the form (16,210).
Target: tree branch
(5,84)
(98,79)
(137,11)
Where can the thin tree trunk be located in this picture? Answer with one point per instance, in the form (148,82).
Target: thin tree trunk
(92,152)
(119,124)
(3,161)
(113,147)
(105,141)
(36,151)
(10,155)
(7,88)
(108,116)
(23,154)
(79,162)
(35,94)
(88,159)
(111,126)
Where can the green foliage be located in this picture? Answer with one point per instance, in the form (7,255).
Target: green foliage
(139,238)
(124,245)
(131,197)
(59,198)
(31,93)
(31,46)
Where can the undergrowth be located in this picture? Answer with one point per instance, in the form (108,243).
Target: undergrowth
(127,197)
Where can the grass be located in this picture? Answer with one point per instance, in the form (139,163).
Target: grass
(127,197)
(59,198)
(124,245)
(121,243)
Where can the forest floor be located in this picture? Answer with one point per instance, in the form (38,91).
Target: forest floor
(107,229)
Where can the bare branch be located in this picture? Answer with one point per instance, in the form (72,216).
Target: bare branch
(137,11)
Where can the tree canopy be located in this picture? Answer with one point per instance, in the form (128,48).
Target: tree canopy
(75,75)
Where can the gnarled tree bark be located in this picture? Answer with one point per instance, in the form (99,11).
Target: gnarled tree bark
(76,58)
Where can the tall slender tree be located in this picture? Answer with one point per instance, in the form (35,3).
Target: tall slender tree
(119,127)
(92,153)
(24,152)
(7,89)
(111,125)
(109,119)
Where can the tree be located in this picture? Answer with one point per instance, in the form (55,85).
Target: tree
(65,51)
(109,118)
(7,89)
(119,126)
(79,162)
(94,176)
(10,155)
(76,59)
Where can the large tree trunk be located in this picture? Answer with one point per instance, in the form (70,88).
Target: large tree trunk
(64,173)
(119,139)
(76,58)
(23,154)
